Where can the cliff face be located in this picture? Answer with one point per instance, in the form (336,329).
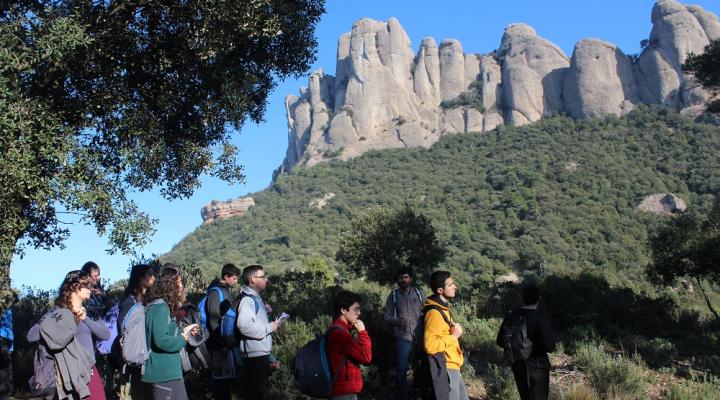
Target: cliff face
(387,96)
(225,209)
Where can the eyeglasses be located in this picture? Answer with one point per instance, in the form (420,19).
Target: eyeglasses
(261,277)
(173,270)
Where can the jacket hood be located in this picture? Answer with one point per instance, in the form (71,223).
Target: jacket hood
(436,301)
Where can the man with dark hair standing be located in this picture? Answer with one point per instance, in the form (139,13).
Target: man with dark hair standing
(256,330)
(219,300)
(532,376)
(99,308)
(99,303)
(441,337)
(402,310)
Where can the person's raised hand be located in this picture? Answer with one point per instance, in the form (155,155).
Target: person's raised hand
(275,325)
(359,325)
(189,330)
(456,331)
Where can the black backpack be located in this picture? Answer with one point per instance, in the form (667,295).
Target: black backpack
(195,354)
(424,364)
(311,367)
(516,342)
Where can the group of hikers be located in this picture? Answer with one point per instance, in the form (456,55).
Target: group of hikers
(154,335)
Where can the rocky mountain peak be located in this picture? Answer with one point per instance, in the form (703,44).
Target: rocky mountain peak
(385,95)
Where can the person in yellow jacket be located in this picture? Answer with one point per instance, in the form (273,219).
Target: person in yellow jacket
(442,334)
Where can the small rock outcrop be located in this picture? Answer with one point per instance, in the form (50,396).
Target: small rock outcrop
(386,96)
(510,277)
(321,202)
(225,209)
(663,204)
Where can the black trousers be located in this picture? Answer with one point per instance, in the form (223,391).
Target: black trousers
(6,370)
(256,374)
(222,388)
(532,383)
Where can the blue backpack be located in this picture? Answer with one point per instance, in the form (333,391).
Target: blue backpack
(229,332)
(312,369)
(202,306)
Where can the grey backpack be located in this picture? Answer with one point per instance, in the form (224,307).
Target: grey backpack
(43,381)
(133,341)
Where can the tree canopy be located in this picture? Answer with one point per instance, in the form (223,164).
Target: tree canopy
(383,241)
(688,246)
(99,98)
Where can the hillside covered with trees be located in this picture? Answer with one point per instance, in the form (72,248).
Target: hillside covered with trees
(554,197)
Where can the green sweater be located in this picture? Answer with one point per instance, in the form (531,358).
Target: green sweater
(163,336)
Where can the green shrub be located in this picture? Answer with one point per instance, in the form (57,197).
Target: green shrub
(470,98)
(478,340)
(612,376)
(500,384)
(657,352)
(574,392)
(694,389)
(286,342)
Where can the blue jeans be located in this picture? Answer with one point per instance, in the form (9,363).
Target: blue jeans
(402,351)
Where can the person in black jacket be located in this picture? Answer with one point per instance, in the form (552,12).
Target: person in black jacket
(222,371)
(532,376)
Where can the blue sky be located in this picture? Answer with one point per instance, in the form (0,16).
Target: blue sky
(478,24)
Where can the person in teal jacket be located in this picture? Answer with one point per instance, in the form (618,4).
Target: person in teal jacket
(163,369)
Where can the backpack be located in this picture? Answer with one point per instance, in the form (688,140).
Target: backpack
(195,354)
(423,385)
(394,298)
(202,305)
(311,367)
(44,381)
(133,340)
(105,347)
(229,333)
(516,342)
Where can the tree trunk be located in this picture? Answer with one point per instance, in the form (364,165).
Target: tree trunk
(707,300)
(7,249)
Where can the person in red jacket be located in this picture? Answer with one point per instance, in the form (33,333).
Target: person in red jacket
(341,345)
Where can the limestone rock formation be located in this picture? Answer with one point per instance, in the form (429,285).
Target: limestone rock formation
(676,32)
(532,75)
(662,203)
(708,21)
(600,81)
(225,209)
(386,96)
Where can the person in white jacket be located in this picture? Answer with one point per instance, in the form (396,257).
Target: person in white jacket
(254,325)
